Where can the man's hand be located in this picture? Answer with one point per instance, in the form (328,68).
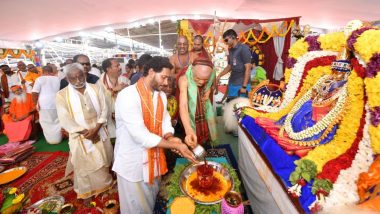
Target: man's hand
(191,140)
(243,91)
(119,87)
(91,134)
(186,153)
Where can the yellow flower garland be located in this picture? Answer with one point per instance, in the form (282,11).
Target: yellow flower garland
(368,44)
(287,74)
(332,41)
(348,127)
(298,49)
(373,90)
(313,76)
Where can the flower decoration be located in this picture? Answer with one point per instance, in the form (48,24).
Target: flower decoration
(375,116)
(313,42)
(373,67)
(12,190)
(367,44)
(290,62)
(305,171)
(298,49)
(332,41)
(18,199)
(354,36)
(321,188)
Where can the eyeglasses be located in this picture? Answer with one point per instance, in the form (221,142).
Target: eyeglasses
(85,63)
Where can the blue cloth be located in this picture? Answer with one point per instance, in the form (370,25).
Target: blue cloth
(282,163)
(302,120)
(136,77)
(233,91)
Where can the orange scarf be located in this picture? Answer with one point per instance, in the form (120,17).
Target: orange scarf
(154,125)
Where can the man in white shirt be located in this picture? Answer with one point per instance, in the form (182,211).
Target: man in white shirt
(112,82)
(143,130)
(95,71)
(44,91)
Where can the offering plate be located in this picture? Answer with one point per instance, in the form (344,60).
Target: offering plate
(221,173)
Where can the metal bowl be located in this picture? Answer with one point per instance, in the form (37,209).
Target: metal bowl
(193,168)
(52,203)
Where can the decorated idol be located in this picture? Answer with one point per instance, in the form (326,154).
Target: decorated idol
(326,129)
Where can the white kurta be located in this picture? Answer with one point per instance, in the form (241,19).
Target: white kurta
(91,168)
(132,141)
(47,88)
(12,80)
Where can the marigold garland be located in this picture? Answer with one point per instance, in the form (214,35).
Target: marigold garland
(348,127)
(298,49)
(373,90)
(368,44)
(332,41)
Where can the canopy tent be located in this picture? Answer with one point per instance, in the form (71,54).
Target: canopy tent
(32,20)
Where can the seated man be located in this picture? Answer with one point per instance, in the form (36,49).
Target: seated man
(196,111)
(18,120)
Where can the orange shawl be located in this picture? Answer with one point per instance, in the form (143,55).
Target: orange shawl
(154,125)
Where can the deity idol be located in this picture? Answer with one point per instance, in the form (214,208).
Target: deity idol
(314,118)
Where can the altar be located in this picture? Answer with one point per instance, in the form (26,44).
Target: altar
(265,190)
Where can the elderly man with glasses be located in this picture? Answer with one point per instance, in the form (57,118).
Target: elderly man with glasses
(85,62)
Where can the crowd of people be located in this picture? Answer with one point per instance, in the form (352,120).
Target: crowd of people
(123,122)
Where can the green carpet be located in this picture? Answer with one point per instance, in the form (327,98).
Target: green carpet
(42,146)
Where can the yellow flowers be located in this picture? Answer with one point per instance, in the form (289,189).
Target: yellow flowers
(12,190)
(18,199)
(332,41)
(375,138)
(298,49)
(93,203)
(368,44)
(373,90)
(347,129)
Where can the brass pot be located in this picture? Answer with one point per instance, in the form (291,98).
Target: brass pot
(67,209)
(111,207)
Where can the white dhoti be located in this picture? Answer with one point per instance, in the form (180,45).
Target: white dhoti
(137,197)
(50,125)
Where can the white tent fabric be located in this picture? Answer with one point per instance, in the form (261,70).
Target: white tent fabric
(26,20)
(278,42)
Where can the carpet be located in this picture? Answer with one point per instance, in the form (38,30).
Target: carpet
(46,177)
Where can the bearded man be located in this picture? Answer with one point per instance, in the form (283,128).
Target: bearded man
(18,122)
(82,112)
(143,131)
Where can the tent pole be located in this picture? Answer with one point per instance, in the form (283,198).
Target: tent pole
(159,35)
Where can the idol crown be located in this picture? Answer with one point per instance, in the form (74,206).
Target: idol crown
(341,65)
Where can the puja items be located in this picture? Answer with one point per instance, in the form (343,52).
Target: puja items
(111,207)
(199,152)
(182,205)
(52,204)
(67,209)
(208,188)
(12,174)
(232,203)
(11,202)
(205,176)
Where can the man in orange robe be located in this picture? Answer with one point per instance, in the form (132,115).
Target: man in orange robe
(18,119)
